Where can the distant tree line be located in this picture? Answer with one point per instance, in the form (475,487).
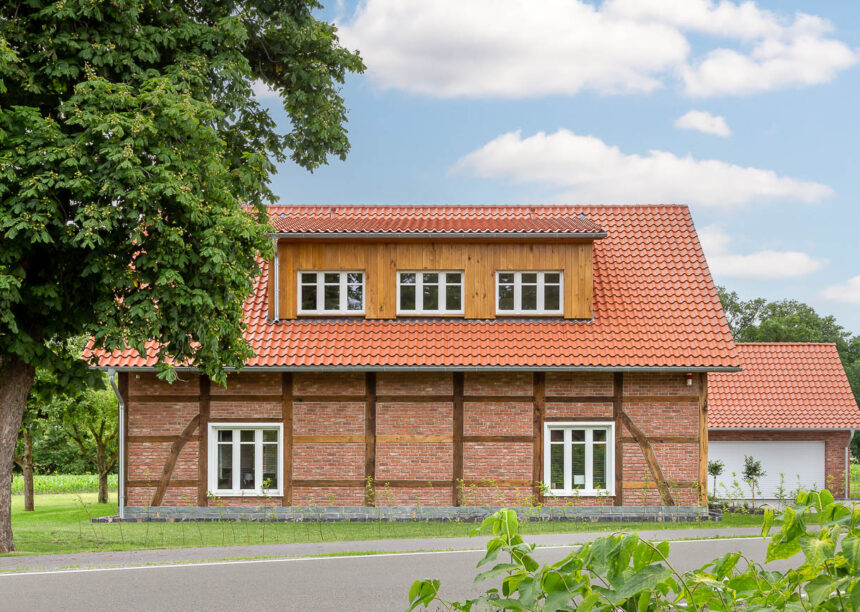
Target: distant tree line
(760,320)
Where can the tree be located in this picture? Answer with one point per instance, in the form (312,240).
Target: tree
(90,420)
(715,469)
(752,474)
(134,172)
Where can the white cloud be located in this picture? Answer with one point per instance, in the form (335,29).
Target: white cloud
(509,48)
(758,264)
(516,49)
(263,91)
(848,293)
(589,170)
(703,121)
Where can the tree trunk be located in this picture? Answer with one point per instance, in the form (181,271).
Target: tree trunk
(27,468)
(101,465)
(16,380)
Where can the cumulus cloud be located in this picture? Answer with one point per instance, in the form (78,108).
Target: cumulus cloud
(848,293)
(515,49)
(703,121)
(761,265)
(587,169)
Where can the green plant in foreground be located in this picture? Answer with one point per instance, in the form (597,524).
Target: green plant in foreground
(624,572)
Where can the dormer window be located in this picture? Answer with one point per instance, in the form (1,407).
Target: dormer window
(331,293)
(529,293)
(429,293)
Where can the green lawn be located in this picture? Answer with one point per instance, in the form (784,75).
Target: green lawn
(854,490)
(61,524)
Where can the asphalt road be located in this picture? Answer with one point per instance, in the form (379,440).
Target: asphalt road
(374,582)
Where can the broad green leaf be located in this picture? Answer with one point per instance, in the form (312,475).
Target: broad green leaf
(817,548)
(818,589)
(497,570)
(851,551)
(768,522)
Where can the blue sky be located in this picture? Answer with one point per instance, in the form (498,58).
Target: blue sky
(473,101)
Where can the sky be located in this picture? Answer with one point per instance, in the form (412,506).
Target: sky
(745,111)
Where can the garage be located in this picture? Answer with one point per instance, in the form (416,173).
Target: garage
(801,464)
(792,408)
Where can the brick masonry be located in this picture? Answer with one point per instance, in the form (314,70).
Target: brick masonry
(415,439)
(834,450)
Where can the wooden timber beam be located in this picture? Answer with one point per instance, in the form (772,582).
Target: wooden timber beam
(617,417)
(203,442)
(369,430)
(539,400)
(172,457)
(287,422)
(650,459)
(703,438)
(459,385)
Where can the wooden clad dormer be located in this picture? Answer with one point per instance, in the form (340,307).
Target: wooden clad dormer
(478,260)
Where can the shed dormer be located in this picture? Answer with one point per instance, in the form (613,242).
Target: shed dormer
(470,262)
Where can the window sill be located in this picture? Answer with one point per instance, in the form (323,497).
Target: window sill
(581,493)
(246,493)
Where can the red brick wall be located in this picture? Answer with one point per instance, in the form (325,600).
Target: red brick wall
(834,449)
(415,439)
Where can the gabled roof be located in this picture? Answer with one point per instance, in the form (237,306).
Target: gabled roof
(655,307)
(390,220)
(783,385)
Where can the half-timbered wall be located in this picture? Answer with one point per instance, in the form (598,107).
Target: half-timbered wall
(479,262)
(432,438)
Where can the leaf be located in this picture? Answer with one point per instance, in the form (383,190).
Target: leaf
(588,602)
(768,522)
(498,570)
(851,551)
(817,548)
(423,592)
(825,498)
(560,600)
(645,579)
(818,589)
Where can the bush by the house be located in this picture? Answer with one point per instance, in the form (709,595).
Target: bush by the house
(62,483)
(625,572)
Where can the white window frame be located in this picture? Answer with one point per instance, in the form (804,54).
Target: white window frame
(590,427)
(442,285)
(257,491)
(320,284)
(518,284)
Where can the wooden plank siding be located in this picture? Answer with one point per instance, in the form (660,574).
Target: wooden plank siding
(380,262)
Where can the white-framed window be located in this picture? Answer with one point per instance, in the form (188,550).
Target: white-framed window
(529,292)
(429,292)
(578,458)
(246,459)
(330,292)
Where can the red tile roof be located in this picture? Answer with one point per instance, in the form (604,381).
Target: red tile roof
(783,385)
(655,306)
(430,220)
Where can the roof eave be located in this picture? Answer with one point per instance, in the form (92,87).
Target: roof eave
(382,368)
(413,235)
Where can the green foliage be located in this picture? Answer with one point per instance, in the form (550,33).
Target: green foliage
(715,467)
(624,572)
(62,483)
(135,166)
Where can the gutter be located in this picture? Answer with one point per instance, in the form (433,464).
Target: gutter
(316,368)
(120,444)
(402,235)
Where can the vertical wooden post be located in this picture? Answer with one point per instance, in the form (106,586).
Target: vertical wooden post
(617,416)
(287,419)
(122,386)
(370,429)
(203,444)
(703,438)
(539,391)
(458,437)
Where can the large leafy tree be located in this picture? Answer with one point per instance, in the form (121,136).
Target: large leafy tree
(134,170)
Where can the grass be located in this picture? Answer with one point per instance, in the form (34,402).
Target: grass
(62,483)
(854,489)
(61,524)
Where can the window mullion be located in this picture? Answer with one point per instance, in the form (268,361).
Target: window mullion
(568,461)
(320,291)
(589,455)
(539,291)
(518,292)
(258,460)
(234,486)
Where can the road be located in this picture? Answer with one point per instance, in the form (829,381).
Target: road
(371,582)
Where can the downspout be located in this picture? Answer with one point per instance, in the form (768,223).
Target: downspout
(120,445)
(851,433)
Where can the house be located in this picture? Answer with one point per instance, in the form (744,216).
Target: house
(448,356)
(790,407)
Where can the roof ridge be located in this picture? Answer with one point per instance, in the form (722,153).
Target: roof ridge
(484,205)
(792,343)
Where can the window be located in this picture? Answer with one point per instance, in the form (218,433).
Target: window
(331,293)
(578,458)
(430,292)
(245,459)
(529,293)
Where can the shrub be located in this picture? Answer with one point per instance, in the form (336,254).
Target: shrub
(625,572)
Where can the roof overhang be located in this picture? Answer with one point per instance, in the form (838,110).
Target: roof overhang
(678,369)
(443,235)
(763,429)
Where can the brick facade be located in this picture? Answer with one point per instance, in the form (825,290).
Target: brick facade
(415,442)
(834,449)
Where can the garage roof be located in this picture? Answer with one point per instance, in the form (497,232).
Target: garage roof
(783,385)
